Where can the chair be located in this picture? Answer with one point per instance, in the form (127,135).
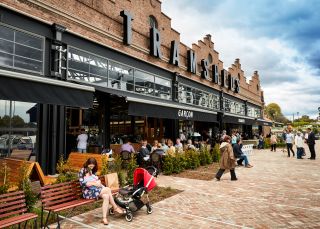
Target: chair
(125,157)
(156,160)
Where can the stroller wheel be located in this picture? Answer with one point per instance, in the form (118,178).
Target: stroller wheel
(129,217)
(111,211)
(149,209)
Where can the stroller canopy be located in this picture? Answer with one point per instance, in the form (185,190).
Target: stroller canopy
(141,174)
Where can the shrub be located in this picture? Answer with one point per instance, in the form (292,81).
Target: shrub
(178,164)
(205,156)
(105,166)
(132,165)
(192,158)
(4,174)
(215,153)
(65,172)
(24,184)
(167,166)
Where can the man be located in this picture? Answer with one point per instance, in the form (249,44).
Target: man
(290,141)
(239,154)
(311,142)
(143,153)
(299,144)
(82,141)
(127,146)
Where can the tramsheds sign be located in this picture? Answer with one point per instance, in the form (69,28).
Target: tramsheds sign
(226,80)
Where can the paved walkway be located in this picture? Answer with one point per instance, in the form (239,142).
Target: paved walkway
(278,192)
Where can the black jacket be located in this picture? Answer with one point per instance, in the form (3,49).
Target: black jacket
(311,139)
(237,150)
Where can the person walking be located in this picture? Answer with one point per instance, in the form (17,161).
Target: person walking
(227,160)
(273,142)
(311,141)
(290,141)
(298,141)
(82,141)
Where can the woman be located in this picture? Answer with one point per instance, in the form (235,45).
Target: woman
(227,160)
(273,142)
(93,189)
(172,150)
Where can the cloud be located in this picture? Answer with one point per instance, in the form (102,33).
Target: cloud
(280,39)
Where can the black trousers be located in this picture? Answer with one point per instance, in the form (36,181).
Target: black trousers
(289,147)
(273,147)
(312,151)
(232,173)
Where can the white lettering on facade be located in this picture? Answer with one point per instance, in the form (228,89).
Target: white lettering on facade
(185,114)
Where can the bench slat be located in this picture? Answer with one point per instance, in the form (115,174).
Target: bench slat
(17,219)
(70,204)
(13,213)
(7,204)
(11,208)
(51,203)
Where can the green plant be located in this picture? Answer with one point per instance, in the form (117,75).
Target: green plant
(4,174)
(215,153)
(192,158)
(105,166)
(167,166)
(132,165)
(178,163)
(24,184)
(122,178)
(117,163)
(65,172)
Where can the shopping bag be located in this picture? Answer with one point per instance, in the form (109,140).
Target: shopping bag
(112,181)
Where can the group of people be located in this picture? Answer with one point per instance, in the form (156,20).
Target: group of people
(299,140)
(164,147)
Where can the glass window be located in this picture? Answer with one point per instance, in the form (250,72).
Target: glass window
(21,50)
(28,40)
(18,126)
(153,22)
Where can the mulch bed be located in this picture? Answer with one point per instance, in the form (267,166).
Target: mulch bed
(206,172)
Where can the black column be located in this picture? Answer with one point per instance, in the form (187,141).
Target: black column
(107,114)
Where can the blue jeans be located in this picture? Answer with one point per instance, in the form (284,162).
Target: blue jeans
(299,152)
(82,150)
(243,158)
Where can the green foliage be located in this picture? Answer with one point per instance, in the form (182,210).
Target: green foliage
(192,158)
(178,163)
(167,166)
(65,172)
(4,174)
(205,156)
(132,165)
(105,166)
(122,178)
(117,164)
(24,184)
(215,153)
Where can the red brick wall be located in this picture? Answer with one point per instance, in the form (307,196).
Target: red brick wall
(100,21)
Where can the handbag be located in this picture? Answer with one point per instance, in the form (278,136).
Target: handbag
(112,181)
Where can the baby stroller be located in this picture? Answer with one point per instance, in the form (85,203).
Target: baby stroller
(129,198)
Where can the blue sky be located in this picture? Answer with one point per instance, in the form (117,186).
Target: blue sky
(280,39)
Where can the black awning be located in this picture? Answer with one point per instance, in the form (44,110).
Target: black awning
(157,111)
(41,92)
(238,120)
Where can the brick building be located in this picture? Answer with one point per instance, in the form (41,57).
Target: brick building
(117,69)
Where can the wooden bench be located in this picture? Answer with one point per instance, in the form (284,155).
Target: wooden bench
(13,210)
(21,154)
(63,196)
(34,172)
(76,160)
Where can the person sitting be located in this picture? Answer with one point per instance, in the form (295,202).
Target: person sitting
(164,145)
(172,150)
(240,155)
(179,145)
(159,150)
(143,153)
(127,146)
(190,145)
(93,189)
(154,146)
(196,143)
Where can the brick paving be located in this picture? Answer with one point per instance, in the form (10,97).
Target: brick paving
(278,192)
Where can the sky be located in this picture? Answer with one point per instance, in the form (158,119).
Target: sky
(279,39)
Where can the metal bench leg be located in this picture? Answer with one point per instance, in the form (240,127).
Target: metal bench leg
(46,223)
(25,225)
(58,221)
(35,223)
(19,226)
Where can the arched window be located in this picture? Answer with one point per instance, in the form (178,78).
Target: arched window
(210,58)
(153,22)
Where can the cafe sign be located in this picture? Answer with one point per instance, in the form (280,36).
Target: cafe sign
(185,114)
(226,80)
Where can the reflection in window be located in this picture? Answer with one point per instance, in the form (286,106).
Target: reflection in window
(190,95)
(21,50)
(93,69)
(234,107)
(18,126)
(254,112)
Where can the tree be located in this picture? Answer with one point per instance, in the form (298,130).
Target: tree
(273,110)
